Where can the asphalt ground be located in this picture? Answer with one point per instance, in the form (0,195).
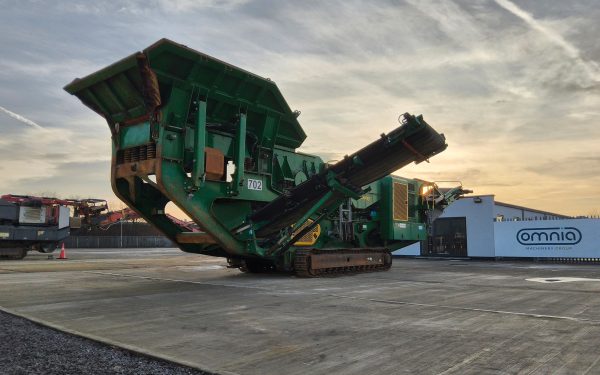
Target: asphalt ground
(421,317)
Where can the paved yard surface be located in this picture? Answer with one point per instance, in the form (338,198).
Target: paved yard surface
(423,316)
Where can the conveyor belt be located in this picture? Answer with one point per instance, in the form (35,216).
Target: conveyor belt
(413,141)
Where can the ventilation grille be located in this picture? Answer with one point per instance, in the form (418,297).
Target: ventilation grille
(400,203)
(138,153)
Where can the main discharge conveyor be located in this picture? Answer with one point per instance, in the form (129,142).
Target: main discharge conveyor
(220,143)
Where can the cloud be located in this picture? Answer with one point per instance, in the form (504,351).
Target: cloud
(191,5)
(66,181)
(139,7)
(572,51)
(564,168)
(64,161)
(21,119)
(513,87)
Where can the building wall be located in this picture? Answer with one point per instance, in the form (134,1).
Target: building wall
(480,223)
(489,238)
(567,238)
(414,249)
(480,226)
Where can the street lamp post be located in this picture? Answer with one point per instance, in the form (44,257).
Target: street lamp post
(122,217)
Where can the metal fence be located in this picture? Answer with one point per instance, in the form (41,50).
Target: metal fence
(117,241)
(501,218)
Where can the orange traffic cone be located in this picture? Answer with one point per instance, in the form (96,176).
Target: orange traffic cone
(63,253)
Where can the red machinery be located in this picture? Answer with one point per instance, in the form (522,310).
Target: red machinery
(41,223)
(82,208)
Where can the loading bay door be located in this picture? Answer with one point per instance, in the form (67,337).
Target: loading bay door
(449,237)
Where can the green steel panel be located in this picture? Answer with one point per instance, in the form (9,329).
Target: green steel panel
(135,135)
(115,92)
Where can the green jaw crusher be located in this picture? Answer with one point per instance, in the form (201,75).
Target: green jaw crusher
(220,143)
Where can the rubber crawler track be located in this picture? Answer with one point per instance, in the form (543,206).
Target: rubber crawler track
(302,264)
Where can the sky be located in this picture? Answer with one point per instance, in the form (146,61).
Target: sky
(513,84)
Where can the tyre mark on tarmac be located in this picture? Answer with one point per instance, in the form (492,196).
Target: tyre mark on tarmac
(589,369)
(153,278)
(377,300)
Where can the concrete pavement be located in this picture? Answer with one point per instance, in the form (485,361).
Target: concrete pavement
(423,316)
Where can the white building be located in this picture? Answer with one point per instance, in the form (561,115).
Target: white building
(478,226)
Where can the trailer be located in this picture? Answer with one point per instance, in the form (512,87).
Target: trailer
(29,223)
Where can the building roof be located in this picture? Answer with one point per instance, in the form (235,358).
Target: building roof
(546,213)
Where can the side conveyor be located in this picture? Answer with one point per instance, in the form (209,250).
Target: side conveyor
(413,141)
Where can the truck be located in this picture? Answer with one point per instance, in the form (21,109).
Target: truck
(40,223)
(31,223)
(221,143)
